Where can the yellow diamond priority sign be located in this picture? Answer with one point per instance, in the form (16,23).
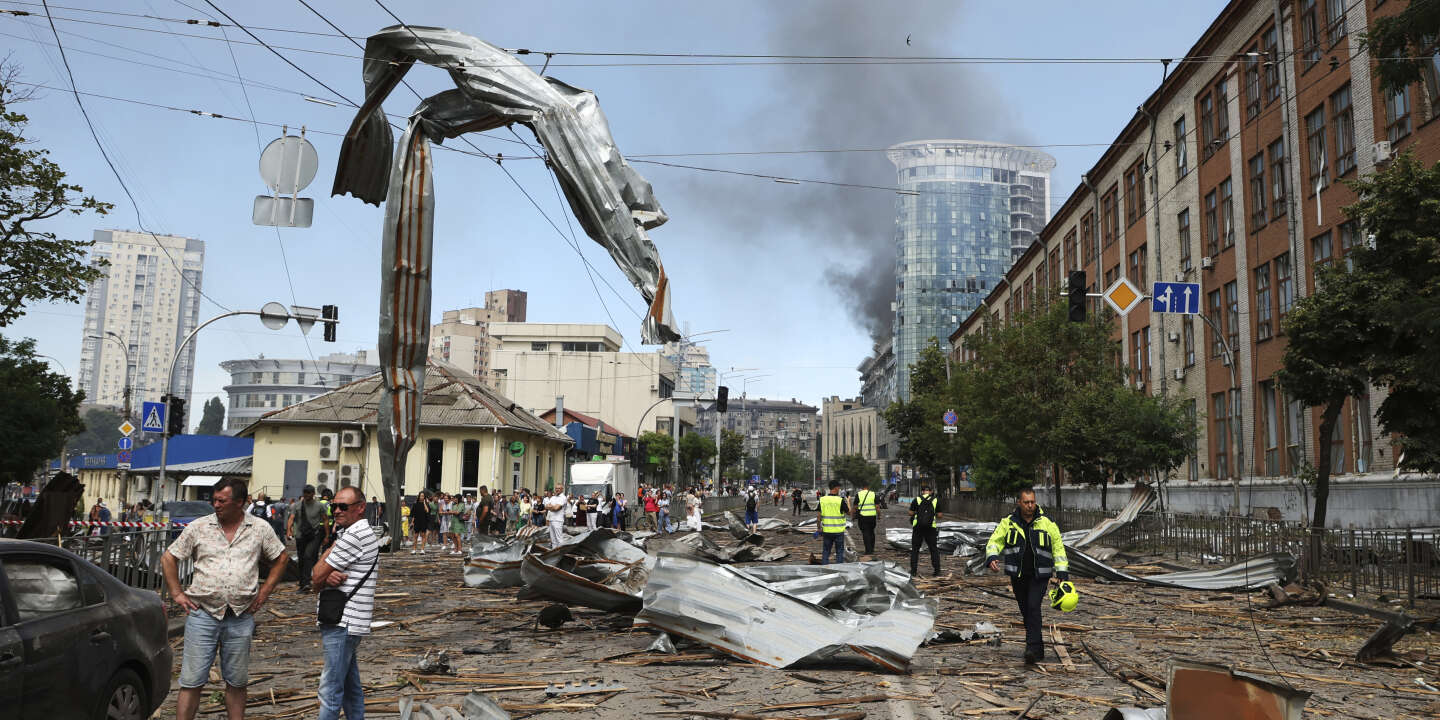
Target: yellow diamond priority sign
(126,428)
(1123,296)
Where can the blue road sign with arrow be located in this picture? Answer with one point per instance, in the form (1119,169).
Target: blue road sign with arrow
(126,443)
(153,417)
(1175,297)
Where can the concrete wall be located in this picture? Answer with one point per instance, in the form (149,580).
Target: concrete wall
(1368,501)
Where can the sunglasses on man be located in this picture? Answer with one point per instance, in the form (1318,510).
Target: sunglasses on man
(342,507)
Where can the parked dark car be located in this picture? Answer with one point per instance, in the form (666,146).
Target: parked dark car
(182,512)
(74,641)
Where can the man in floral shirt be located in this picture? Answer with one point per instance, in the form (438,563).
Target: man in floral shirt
(223,595)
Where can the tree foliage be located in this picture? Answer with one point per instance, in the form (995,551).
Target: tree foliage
(39,412)
(213,421)
(1404,42)
(920,443)
(856,471)
(1115,432)
(696,452)
(658,447)
(36,265)
(732,452)
(102,430)
(791,468)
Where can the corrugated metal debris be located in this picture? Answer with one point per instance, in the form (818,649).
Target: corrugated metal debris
(1254,573)
(736,612)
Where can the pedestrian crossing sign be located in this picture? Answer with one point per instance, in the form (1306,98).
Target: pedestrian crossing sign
(153,417)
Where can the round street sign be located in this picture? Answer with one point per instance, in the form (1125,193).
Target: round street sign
(274,315)
(951,418)
(126,443)
(288,164)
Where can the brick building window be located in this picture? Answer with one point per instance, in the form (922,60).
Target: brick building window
(1182,232)
(1187,335)
(1212,225)
(1087,240)
(1207,126)
(1227,214)
(1110,217)
(1284,285)
(1222,111)
(1222,437)
(1258,214)
(1252,83)
(1055,264)
(1132,194)
(1335,21)
(1321,249)
(1315,143)
(1111,276)
(1278,184)
(1140,343)
(1309,33)
(1217,321)
(1270,420)
(1344,120)
(1182,154)
(1232,307)
(1271,44)
(1137,268)
(1262,302)
(1349,237)
(1072,259)
(1397,115)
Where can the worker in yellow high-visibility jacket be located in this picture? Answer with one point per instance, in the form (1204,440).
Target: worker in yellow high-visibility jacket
(832,524)
(864,512)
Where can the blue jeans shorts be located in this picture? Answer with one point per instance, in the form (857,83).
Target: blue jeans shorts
(752,517)
(204,636)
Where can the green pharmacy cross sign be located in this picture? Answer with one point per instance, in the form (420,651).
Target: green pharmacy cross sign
(517,448)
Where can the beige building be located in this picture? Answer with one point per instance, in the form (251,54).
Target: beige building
(848,427)
(469,436)
(538,362)
(463,337)
(137,314)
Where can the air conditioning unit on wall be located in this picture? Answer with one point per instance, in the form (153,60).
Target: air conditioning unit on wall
(352,438)
(1383,152)
(1179,374)
(324,479)
(1207,262)
(329,447)
(349,475)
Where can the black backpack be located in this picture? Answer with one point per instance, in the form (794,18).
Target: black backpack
(258,510)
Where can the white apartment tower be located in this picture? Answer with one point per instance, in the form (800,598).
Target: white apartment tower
(462,337)
(138,313)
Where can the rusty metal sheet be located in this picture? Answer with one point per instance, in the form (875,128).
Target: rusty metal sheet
(1199,691)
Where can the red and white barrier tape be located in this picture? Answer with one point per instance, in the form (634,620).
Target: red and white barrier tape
(87,523)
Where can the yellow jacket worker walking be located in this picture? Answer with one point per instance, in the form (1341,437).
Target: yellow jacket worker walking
(864,511)
(1028,545)
(832,525)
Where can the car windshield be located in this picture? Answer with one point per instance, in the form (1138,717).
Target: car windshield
(585,490)
(187,508)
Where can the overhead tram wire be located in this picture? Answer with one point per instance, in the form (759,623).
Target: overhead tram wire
(118,178)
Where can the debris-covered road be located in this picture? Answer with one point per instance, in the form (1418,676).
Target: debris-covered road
(1113,651)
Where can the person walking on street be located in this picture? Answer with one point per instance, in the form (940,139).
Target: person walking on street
(592,508)
(865,513)
(351,566)
(223,596)
(752,511)
(1028,546)
(924,513)
(309,526)
(555,506)
(832,525)
(795,501)
(652,509)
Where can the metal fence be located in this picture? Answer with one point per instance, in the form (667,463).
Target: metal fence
(1397,563)
(132,557)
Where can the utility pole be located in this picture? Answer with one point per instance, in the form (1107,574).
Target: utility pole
(124,499)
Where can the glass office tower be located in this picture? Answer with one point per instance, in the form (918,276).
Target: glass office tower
(965,211)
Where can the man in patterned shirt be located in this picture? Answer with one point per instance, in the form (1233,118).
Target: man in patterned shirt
(350,565)
(222,597)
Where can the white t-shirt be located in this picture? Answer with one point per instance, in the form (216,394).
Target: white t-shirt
(355,549)
(555,506)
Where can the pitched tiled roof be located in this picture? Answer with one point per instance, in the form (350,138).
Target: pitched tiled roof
(453,398)
(586,420)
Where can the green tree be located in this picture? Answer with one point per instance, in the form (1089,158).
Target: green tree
(40,411)
(36,265)
(213,422)
(102,430)
(916,423)
(732,452)
(1404,42)
(856,471)
(791,468)
(1114,432)
(656,450)
(696,452)
(1399,207)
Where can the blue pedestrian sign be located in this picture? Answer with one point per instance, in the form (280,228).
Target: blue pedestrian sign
(153,417)
(1175,297)
(126,443)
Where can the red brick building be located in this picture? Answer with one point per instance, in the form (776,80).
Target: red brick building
(1228,176)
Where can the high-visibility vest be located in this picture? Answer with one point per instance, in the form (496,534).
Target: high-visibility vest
(832,520)
(930,499)
(866,500)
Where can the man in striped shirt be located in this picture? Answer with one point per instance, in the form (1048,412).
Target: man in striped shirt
(347,565)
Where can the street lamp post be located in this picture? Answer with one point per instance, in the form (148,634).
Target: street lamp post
(272,315)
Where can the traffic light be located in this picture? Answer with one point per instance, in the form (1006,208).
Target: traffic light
(1077,295)
(722,398)
(330,315)
(175,409)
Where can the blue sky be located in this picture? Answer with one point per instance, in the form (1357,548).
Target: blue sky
(783,267)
